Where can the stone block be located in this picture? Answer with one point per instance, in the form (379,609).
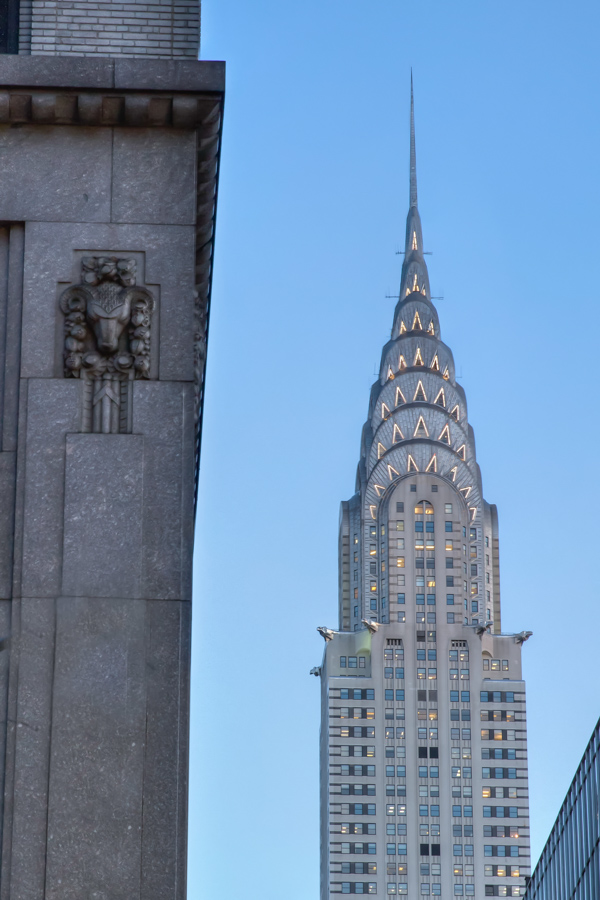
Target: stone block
(44,71)
(144,158)
(103,515)
(98,743)
(53,410)
(166,757)
(163,413)
(55,173)
(169,75)
(49,261)
(34,644)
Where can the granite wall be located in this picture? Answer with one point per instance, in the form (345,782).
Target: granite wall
(107,199)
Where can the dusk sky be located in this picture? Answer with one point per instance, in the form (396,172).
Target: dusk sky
(312,205)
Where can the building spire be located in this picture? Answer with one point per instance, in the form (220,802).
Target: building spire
(413,153)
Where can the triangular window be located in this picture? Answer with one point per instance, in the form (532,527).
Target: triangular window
(462,452)
(466,491)
(402,327)
(432,464)
(414,241)
(392,471)
(435,364)
(431,329)
(411,465)
(384,411)
(415,286)
(453,472)
(399,397)
(390,374)
(379,488)
(421,429)
(455,412)
(441,398)
(420,393)
(401,362)
(380,450)
(445,435)
(446,374)
(397,434)
(418,358)
(416,325)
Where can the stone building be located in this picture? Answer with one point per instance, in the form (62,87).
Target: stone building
(110,135)
(423,731)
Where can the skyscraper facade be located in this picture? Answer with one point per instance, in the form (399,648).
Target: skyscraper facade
(423,731)
(569,866)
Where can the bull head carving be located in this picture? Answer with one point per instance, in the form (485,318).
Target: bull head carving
(107,320)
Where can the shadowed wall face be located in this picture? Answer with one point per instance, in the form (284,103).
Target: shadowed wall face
(107,192)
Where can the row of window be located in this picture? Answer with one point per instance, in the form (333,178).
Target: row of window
(357,887)
(357,868)
(497,715)
(353,662)
(498,697)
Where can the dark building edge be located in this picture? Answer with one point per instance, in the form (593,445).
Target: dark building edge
(9,26)
(554,837)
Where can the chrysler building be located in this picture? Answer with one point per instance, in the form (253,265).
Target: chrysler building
(423,727)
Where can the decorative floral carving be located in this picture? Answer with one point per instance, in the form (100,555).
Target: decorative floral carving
(107,320)
(107,340)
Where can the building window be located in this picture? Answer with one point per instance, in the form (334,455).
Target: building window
(448,526)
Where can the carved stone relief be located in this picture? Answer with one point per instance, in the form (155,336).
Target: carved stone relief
(107,339)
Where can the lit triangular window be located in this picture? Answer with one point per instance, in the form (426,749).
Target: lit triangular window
(431,329)
(420,393)
(414,241)
(435,364)
(416,325)
(392,471)
(441,398)
(466,491)
(380,450)
(379,488)
(453,472)
(390,374)
(473,510)
(401,362)
(432,464)
(397,434)
(421,429)
(445,434)
(373,510)
(411,465)
(399,397)
(402,328)
(415,286)
(418,358)
(384,411)
(455,412)
(462,452)
(446,374)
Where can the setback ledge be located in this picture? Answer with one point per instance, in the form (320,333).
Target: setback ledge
(112,74)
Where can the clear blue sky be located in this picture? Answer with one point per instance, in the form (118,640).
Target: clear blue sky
(312,206)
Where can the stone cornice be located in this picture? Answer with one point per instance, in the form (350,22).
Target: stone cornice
(111,108)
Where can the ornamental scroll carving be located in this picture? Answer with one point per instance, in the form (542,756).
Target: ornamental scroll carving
(108,322)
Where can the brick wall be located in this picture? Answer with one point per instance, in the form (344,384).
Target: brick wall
(154,29)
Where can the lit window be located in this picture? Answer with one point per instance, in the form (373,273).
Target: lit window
(400,562)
